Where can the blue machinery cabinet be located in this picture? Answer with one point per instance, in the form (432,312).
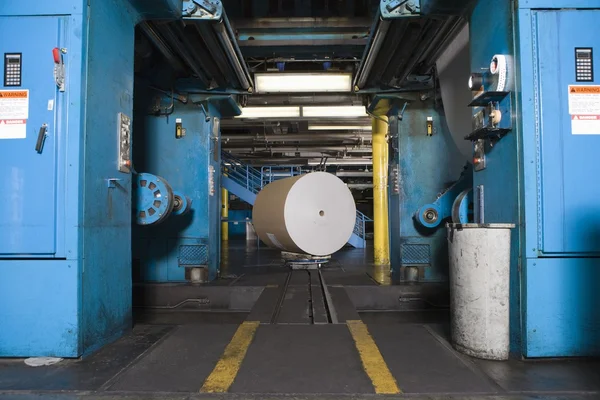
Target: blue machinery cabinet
(65,257)
(543,175)
(192,166)
(425,166)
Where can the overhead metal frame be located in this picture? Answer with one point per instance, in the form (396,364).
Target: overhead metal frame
(405,43)
(202,45)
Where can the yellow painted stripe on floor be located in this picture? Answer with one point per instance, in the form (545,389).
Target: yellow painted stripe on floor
(222,377)
(372,360)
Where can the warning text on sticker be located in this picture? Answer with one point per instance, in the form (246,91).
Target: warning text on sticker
(584,100)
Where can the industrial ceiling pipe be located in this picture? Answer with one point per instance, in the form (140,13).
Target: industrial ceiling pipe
(293,137)
(276,149)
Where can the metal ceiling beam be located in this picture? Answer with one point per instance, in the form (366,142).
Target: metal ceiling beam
(291,99)
(295,137)
(354,174)
(293,149)
(258,122)
(301,23)
(303,48)
(350,161)
(330,43)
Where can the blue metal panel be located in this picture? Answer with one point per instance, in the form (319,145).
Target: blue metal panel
(569,163)
(237,226)
(28,201)
(39,308)
(427,165)
(546,4)
(163,9)
(106,280)
(40,7)
(491,27)
(560,295)
(562,307)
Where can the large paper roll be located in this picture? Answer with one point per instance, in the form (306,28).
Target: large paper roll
(310,214)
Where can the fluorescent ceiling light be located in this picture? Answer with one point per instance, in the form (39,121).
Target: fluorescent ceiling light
(340,127)
(302,83)
(335,111)
(270,112)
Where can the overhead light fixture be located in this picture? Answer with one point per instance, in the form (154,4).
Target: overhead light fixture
(339,127)
(270,112)
(334,112)
(302,83)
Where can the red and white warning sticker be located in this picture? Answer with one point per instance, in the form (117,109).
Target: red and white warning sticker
(585,124)
(14,111)
(13,128)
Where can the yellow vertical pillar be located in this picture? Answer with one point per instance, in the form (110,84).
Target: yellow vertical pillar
(380,184)
(224,215)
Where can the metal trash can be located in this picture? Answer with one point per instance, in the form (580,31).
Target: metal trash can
(479,289)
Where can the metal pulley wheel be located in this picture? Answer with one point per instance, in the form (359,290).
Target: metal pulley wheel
(154,199)
(182,203)
(461,210)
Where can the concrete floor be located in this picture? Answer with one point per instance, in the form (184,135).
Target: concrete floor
(178,346)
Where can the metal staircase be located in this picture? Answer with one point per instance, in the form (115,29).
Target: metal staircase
(245,182)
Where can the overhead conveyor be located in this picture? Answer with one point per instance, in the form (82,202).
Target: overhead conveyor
(202,45)
(406,39)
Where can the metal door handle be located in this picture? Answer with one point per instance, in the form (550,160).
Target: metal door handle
(39,146)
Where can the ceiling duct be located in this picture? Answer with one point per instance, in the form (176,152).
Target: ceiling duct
(203,44)
(406,38)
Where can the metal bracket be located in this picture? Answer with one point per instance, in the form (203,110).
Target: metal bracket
(203,9)
(111,183)
(391,9)
(432,215)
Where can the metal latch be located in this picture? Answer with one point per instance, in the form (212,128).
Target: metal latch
(59,68)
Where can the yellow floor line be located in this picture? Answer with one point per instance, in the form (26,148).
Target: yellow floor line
(372,360)
(222,377)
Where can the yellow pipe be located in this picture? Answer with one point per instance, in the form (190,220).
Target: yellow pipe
(224,214)
(380,184)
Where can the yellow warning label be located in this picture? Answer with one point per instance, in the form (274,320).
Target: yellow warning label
(584,89)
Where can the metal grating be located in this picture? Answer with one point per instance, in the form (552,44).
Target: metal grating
(193,255)
(412,254)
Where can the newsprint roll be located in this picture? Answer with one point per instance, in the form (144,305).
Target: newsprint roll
(309,214)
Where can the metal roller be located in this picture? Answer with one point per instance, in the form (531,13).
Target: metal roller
(182,204)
